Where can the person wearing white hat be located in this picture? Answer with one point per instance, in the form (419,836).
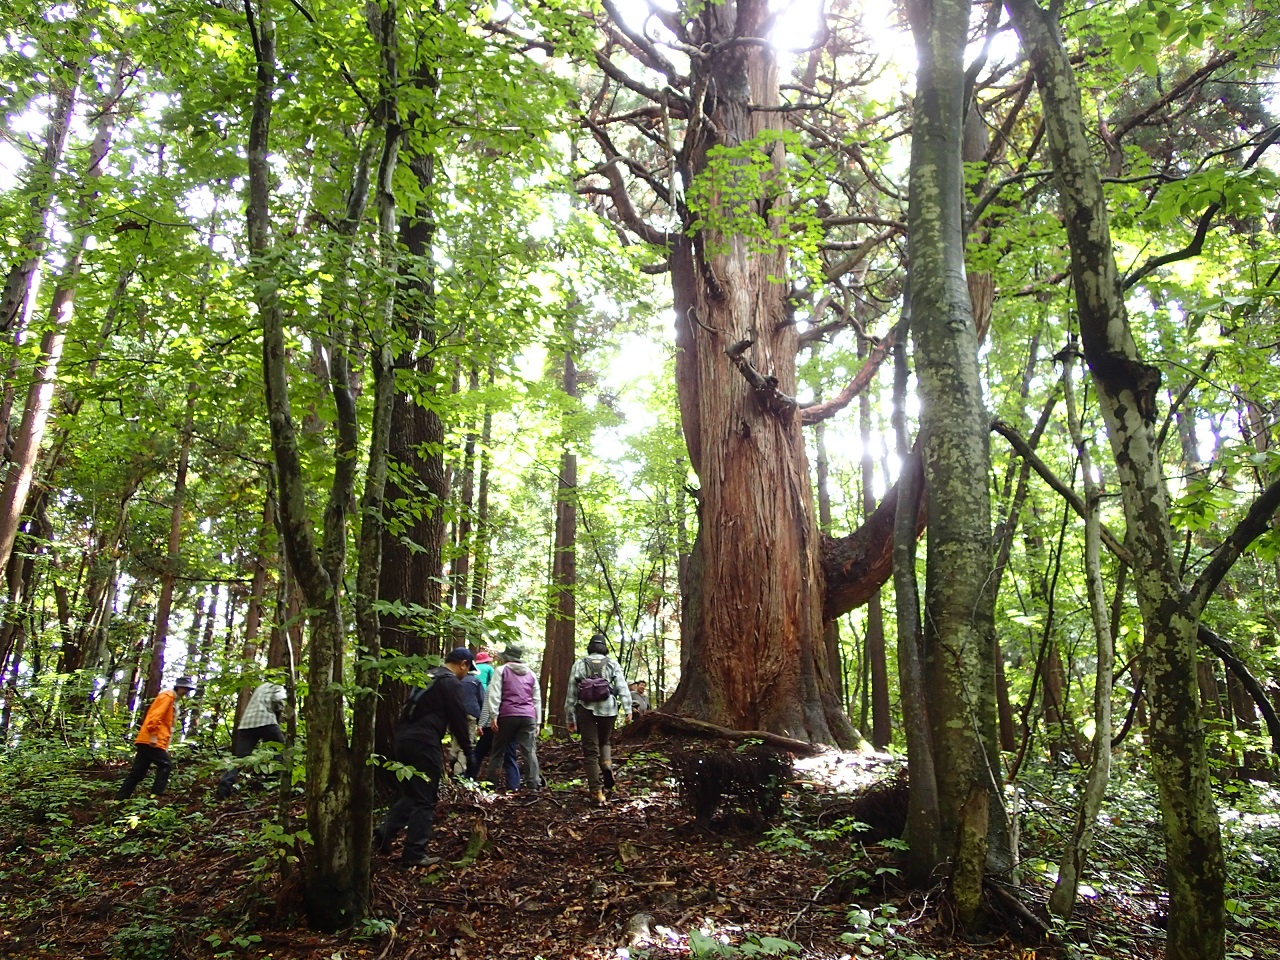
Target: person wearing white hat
(152,742)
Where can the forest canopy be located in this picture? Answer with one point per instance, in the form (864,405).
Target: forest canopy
(889,376)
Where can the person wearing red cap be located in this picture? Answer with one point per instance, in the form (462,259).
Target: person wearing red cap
(151,745)
(484,667)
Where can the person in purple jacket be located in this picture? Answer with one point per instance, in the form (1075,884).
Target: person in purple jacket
(515,709)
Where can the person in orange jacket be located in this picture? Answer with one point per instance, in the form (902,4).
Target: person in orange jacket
(152,741)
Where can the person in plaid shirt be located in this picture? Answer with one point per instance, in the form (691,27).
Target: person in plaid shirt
(260,721)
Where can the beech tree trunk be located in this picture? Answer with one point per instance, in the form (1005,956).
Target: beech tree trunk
(958,642)
(831,628)
(881,714)
(40,188)
(480,572)
(39,402)
(1127,392)
(752,620)
(1063,899)
(339,787)
(461,578)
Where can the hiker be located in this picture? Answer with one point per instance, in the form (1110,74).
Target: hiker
(510,757)
(597,693)
(484,667)
(473,695)
(260,721)
(429,711)
(484,670)
(515,711)
(639,702)
(152,742)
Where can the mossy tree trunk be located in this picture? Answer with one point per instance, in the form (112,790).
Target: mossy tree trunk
(339,780)
(1127,389)
(957,644)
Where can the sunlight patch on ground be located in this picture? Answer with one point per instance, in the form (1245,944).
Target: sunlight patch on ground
(845,771)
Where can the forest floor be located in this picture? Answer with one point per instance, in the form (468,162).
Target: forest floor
(523,875)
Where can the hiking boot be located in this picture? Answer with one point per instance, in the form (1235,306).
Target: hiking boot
(606,774)
(598,798)
(420,862)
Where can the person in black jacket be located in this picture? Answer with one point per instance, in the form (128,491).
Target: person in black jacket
(428,713)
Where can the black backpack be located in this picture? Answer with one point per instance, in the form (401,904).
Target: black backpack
(415,703)
(594,687)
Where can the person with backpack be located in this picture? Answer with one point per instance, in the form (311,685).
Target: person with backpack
(151,745)
(515,709)
(428,713)
(596,694)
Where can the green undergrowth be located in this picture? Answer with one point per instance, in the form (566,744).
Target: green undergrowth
(67,845)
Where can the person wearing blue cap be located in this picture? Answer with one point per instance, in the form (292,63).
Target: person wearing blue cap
(428,712)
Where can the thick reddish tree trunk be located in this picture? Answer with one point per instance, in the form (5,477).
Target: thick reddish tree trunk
(753,619)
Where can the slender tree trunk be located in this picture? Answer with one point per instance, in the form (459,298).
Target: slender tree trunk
(39,402)
(461,579)
(40,186)
(338,790)
(1127,389)
(923,820)
(881,713)
(1063,899)
(198,664)
(958,621)
(412,560)
(257,594)
(168,579)
(562,610)
(1008,530)
(480,576)
(830,629)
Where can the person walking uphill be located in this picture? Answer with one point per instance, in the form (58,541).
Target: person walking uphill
(260,721)
(152,742)
(427,714)
(597,692)
(515,709)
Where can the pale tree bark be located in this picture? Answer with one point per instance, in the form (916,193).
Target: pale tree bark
(40,187)
(261,562)
(1062,900)
(923,819)
(480,573)
(199,666)
(881,714)
(463,542)
(958,620)
(39,402)
(1127,389)
(830,629)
